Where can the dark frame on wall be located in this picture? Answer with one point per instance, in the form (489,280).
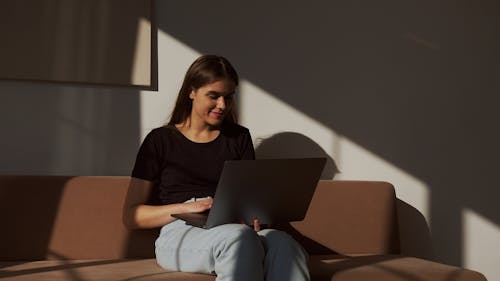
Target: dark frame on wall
(102,42)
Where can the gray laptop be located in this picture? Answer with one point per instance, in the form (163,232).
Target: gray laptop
(271,190)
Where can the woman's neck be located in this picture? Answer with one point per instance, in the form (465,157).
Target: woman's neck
(198,132)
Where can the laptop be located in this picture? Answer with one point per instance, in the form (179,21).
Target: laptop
(270,190)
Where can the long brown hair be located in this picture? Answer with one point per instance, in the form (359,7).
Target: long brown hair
(204,70)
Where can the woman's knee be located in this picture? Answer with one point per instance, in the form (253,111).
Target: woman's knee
(276,240)
(240,233)
(241,238)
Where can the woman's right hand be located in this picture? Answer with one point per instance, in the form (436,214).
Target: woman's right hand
(199,206)
(137,214)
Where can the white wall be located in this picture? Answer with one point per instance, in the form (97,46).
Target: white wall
(401,92)
(266,114)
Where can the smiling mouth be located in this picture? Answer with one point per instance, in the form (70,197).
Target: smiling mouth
(217,114)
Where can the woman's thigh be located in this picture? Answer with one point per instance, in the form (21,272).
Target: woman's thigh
(186,248)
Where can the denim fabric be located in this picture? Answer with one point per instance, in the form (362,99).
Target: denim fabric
(233,252)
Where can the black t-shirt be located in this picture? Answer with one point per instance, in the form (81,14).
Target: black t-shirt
(182,169)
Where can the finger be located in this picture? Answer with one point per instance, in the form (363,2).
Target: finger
(256,225)
(207,206)
(209,202)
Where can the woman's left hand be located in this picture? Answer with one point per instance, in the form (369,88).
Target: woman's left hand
(256,225)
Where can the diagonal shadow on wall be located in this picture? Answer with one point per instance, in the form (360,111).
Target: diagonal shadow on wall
(412,82)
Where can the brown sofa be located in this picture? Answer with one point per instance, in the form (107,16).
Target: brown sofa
(69,228)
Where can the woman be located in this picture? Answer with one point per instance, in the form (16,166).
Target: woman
(179,164)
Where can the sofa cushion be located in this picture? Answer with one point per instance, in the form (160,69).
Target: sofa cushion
(385,268)
(94,270)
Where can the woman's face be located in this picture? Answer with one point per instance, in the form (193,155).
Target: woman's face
(212,101)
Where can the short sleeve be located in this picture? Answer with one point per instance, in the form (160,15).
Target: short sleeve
(148,161)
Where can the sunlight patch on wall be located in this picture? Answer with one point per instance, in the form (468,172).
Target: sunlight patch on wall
(481,243)
(266,115)
(357,162)
(142,54)
(174,58)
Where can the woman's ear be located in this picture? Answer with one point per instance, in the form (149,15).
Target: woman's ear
(192,94)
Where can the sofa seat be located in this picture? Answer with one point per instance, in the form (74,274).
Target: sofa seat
(385,268)
(322,268)
(93,270)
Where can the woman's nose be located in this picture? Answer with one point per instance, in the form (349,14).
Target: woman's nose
(221,103)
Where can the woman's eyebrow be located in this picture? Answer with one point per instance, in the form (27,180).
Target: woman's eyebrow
(211,92)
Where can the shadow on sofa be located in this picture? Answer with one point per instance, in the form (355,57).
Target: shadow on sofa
(414,232)
(53,214)
(64,264)
(350,231)
(32,210)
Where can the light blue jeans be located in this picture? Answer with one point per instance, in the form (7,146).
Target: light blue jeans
(233,252)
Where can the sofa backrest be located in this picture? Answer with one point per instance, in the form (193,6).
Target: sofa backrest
(350,217)
(58,217)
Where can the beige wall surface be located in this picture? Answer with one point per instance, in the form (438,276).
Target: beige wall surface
(402,91)
(85,41)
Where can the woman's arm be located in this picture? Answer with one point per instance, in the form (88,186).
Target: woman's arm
(138,215)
